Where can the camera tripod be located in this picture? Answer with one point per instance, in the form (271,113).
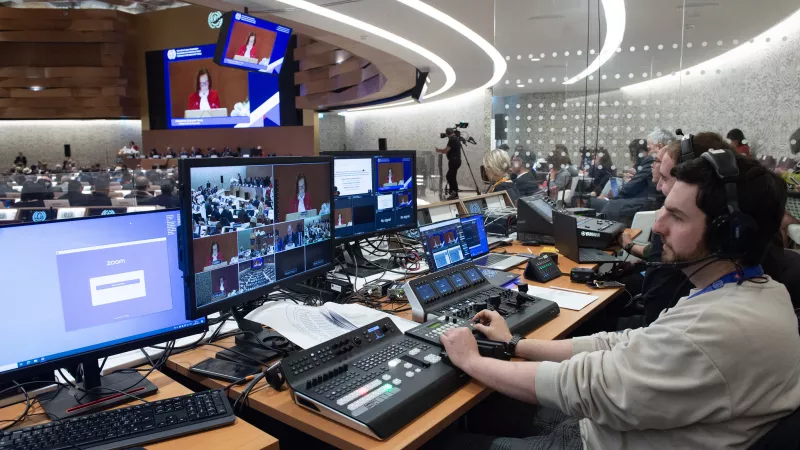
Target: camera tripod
(446,190)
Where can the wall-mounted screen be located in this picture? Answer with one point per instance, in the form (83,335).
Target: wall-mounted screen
(198,93)
(247,42)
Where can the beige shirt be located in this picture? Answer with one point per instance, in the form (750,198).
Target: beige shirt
(716,371)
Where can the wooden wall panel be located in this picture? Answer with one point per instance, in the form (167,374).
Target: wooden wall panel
(329,75)
(82,64)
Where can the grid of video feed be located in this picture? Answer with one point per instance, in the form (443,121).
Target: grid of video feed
(254,225)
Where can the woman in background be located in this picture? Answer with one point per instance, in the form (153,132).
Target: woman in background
(601,172)
(214,257)
(203,98)
(497,164)
(248,50)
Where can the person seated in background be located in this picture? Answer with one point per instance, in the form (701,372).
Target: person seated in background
(561,169)
(21,160)
(170,153)
(203,97)
(33,196)
(75,194)
(301,202)
(738,142)
(213,152)
(166,198)
(184,153)
(141,194)
(497,163)
(641,182)
(214,255)
(154,153)
(522,166)
(5,186)
(196,152)
(127,181)
(600,172)
(100,191)
(226,215)
(717,370)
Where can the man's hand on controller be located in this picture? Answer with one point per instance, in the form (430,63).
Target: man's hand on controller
(492,324)
(461,347)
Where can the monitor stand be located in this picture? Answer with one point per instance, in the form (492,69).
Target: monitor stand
(259,343)
(72,402)
(366,268)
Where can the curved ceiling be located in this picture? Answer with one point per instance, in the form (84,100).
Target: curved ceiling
(472,66)
(659,39)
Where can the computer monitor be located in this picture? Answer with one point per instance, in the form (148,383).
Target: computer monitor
(295,246)
(87,288)
(375,194)
(445,244)
(474,234)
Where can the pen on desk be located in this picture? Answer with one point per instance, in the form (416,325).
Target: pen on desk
(570,290)
(529,251)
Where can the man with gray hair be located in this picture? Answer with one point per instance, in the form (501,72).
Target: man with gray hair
(523,163)
(641,184)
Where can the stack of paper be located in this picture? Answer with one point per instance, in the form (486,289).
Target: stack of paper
(307,326)
(564,299)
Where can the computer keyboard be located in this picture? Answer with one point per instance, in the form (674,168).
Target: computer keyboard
(493,258)
(594,255)
(535,237)
(126,427)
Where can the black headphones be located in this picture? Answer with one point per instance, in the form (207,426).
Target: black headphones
(730,234)
(687,149)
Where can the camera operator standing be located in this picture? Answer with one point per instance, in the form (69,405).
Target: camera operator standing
(453,152)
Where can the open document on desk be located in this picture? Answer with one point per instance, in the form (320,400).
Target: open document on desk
(307,326)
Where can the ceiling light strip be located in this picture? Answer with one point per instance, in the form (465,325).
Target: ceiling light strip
(497,59)
(449,73)
(615,30)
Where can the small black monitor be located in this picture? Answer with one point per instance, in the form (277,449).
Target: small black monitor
(374,194)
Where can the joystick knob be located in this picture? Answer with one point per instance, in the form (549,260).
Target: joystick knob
(495,300)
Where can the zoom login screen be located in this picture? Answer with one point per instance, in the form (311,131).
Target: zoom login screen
(75,285)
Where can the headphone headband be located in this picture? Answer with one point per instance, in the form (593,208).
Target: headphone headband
(687,148)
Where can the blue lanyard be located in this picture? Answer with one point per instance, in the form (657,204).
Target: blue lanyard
(733,277)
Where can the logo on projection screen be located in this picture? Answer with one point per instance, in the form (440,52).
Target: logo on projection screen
(171,54)
(215,20)
(238,16)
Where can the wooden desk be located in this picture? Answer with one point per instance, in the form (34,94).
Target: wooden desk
(239,436)
(280,406)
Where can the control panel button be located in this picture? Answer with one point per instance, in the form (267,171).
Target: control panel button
(410,374)
(397,381)
(407,365)
(394,362)
(386,377)
(418,370)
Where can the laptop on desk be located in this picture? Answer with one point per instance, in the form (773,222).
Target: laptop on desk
(478,244)
(565,230)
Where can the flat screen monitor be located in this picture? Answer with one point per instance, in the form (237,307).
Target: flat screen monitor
(187,89)
(290,241)
(445,244)
(92,287)
(247,42)
(374,193)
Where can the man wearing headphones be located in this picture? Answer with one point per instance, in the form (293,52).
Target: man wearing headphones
(716,370)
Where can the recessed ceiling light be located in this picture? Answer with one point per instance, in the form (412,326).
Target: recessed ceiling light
(520,85)
(36,88)
(535,59)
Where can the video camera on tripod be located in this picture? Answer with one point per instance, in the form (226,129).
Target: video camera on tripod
(464,141)
(469,139)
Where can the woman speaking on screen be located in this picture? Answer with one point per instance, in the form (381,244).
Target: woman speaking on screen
(249,48)
(203,97)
